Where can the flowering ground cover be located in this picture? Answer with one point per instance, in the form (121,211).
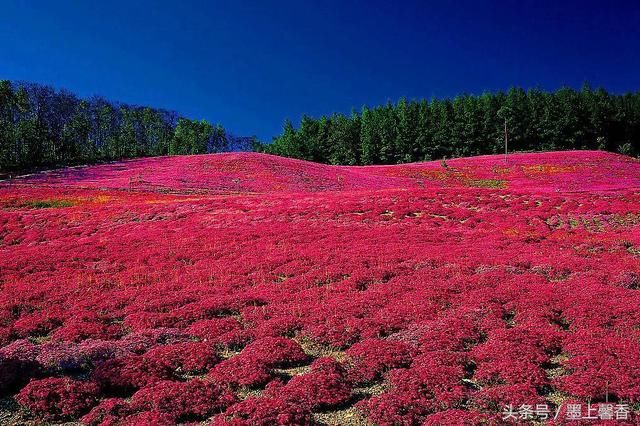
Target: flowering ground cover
(247,289)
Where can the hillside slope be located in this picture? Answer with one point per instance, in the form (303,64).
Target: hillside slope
(244,288)
(262,173)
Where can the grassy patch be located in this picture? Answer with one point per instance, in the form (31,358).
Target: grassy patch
(292,372)
(46,204)
(318,350)
(547,169)
(487,183)
(631,249)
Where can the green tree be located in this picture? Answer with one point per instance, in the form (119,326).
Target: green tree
(8,155)
(343,139)
(191,137)
(369,137)
(286,144)
(75,137)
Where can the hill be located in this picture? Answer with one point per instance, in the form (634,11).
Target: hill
(263,173)
(253,289)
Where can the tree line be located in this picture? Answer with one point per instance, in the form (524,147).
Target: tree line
(466,125)
(41,127)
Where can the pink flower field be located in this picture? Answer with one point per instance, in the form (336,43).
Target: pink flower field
(248,289)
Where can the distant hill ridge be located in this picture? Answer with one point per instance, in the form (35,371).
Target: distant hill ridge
(230,173)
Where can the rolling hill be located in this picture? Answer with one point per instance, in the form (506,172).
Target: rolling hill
(240,289)
(263,173)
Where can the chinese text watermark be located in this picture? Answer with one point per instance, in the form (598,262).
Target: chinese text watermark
(572,411)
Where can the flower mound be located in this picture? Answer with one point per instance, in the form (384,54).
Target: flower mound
(58,398)
(324,387)
(195,398)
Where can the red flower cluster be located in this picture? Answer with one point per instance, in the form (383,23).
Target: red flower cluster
(195,398)
(108,412)
(413,294)
(426,388)
(324,387)
(602,363)
(371,358)
(264,411)
(251,367)
(160,363)
(58,398)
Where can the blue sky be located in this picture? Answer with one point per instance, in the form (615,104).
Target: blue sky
(250,65)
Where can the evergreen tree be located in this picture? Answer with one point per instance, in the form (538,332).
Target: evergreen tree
(342,141)
(470,125)
(407,125)
(424,132)
(8,158)
(369,137)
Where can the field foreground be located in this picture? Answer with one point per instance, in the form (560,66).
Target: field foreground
(247,289)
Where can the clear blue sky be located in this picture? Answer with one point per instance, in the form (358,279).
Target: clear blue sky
(249,65)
